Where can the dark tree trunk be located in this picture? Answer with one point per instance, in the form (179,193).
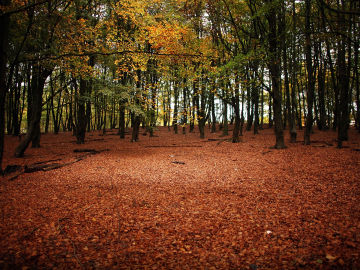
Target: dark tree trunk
(185,93)
(88,115)
(122,122)
(274,67)
(17,109)
(300,114)
(47,120)
(105,114)
(271,122)
(202,109)
(286,78)
(192,110)
(255,94)
(37,87)
(4,34)
(136,128)
(136,117)
(225,130)
(235,103)
(357,86)
(80,112)
(213,112)
(249,114)
(309,67)
(176,101)
(321,91)
(344,80)
(242,119)
(292,125)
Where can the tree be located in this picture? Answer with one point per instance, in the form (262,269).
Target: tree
(4,35)
(310,75)
(274,68)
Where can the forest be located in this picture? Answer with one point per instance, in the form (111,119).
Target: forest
(183,88)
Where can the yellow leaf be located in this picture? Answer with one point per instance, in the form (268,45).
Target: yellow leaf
(330,257)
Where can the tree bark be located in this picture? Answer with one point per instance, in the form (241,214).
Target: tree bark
(39,77)
(310,81)
(4,35)
(81,113)
(274,67)
(176,101)
(235,102)
(343,79)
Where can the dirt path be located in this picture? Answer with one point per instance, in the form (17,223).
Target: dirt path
(179,202)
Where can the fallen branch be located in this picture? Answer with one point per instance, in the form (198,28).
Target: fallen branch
(178,162)
(46,166)
(92,151)
(11,169)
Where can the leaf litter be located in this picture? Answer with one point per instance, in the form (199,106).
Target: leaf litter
(155,204)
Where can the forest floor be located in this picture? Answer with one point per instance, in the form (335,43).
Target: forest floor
(180,202)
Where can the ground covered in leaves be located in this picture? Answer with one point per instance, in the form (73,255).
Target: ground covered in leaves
(180,202)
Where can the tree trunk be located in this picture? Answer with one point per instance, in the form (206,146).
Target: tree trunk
(202,109)
(235,103)
(39,77)
(4,34)
(122,121)
(225,130)
(309,67)
(135,116)
(343,80)
(80,112)
(185,94)
(292,125)
(357,86)
(274,68)
(213,112)
(176,101)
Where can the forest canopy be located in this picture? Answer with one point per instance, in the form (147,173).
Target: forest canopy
(74,65)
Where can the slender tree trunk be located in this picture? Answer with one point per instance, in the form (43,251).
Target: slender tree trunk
(292,125)
(185,94)
(242,119)
(270,110)
(202,109)
(225,130)
(122,121)
(357,87)
(81,113)
(213,112)
(47,120)
(256,104)
(137,117)
(235,102)
(309,67)
(286,79)
(321,91)
(249,113)
(105,114)
(176,101)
